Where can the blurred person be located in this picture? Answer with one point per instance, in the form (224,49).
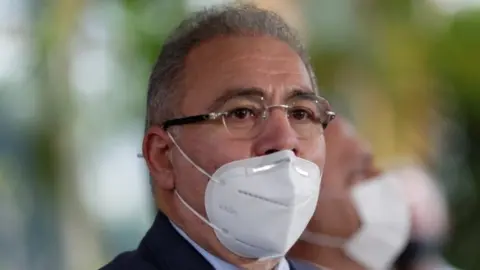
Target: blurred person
(352,212)
(234,144)
(366,219)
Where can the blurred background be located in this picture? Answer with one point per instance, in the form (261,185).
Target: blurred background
(73,80)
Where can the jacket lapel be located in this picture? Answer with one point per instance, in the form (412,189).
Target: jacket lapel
(163,247)
(167,250)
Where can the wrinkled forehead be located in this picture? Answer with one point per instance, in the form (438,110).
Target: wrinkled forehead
(228,63)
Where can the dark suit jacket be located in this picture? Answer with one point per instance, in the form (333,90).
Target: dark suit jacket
(162,248)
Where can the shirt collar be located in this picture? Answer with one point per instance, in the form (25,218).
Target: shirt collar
(306,265)
(216,262)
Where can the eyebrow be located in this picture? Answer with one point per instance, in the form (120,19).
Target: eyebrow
(232,93)
(302,93)
(236,92)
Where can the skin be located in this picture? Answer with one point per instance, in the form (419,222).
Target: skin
(211,68)
(349,161)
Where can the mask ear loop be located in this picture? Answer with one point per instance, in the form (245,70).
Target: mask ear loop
(180,197)
(190,160)
(200,216)
(213,226)
(220,230)
(140,155)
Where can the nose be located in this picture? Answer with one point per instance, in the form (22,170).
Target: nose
(276,135)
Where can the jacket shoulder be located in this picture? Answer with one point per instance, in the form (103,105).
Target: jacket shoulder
(131,260)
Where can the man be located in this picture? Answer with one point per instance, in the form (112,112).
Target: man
(406,200)
(234,144)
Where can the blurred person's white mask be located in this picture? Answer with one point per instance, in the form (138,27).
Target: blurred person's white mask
(385,224)
(259,207)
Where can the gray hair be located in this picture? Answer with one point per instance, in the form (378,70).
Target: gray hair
(165,89)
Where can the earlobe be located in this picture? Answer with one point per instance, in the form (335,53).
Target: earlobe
(156,149)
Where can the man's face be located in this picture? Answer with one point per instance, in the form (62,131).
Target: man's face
(349,161)
(213,69)
(216,75)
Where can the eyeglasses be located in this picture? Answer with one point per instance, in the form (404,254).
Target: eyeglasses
(244,117)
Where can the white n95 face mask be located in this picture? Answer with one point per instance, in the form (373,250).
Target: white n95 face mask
(385,224)
(259,207)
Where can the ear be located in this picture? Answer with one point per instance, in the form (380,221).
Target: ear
(156,147)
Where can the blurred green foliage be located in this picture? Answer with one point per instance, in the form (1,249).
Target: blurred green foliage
(457,58)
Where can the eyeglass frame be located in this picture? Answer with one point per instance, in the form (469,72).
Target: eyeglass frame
(212,116)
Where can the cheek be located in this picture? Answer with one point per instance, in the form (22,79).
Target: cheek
(219,151)
(211,151)
(190,183)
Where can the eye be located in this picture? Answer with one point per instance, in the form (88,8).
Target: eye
(241,113)
(301,114)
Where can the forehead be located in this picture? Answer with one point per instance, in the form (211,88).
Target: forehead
(242,62)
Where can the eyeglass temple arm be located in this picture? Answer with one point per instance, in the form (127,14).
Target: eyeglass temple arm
(186,120)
